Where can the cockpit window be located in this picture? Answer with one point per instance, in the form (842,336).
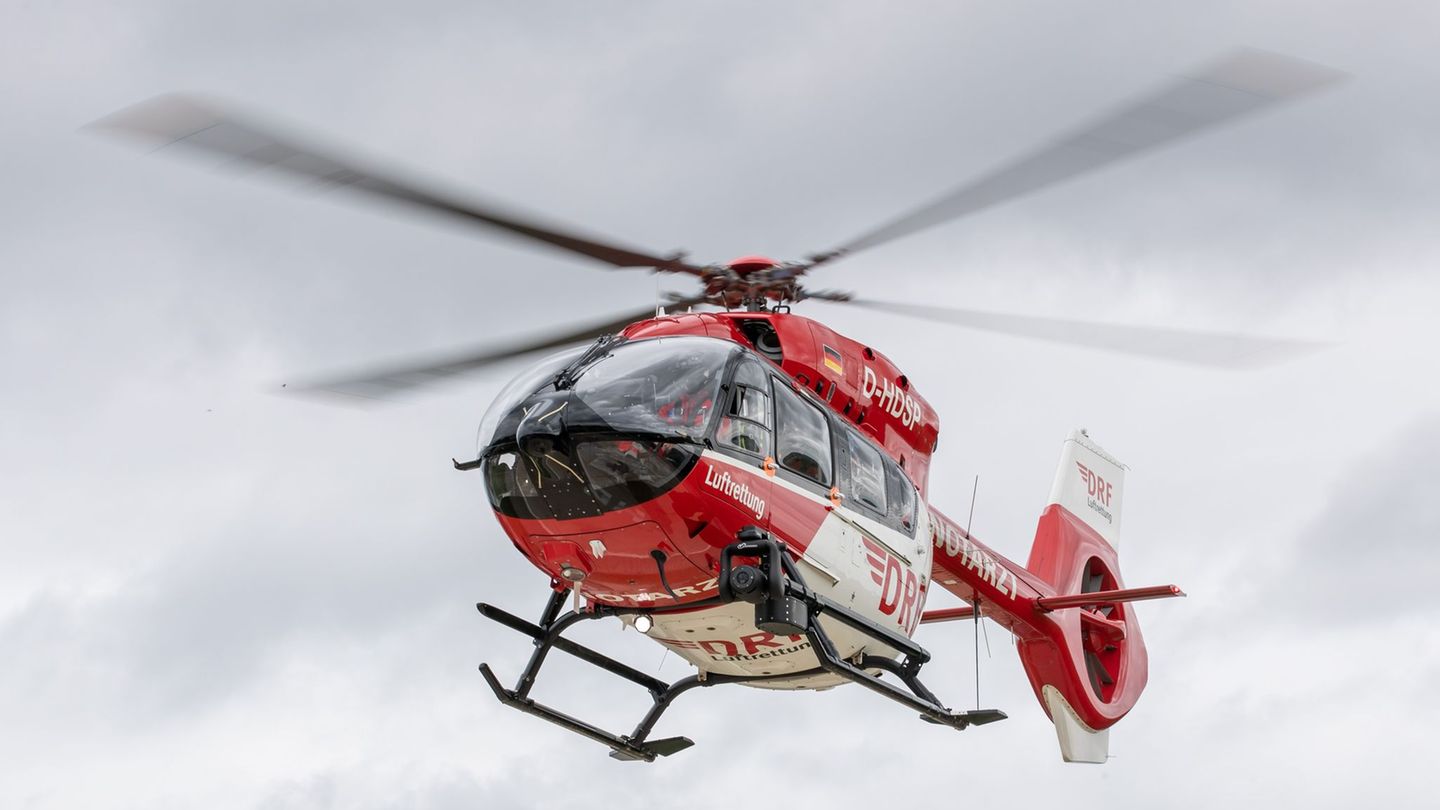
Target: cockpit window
(751,372)
(867,473)
(664,386)
(660,388)
(902,498)
(595,477)
(603,428)
(745,424)
(520,389)
(802,437)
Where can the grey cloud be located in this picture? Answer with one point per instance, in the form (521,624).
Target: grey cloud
(185,558)
(1372,554)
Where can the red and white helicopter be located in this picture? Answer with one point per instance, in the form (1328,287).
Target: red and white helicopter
(749,487)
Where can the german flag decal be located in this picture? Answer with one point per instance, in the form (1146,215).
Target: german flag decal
(833,361)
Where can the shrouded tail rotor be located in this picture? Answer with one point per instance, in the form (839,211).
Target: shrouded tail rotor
(1090,673)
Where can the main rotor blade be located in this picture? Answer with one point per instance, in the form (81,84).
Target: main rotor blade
(1175,345)
(382,382)
(1243,83)
(179,120)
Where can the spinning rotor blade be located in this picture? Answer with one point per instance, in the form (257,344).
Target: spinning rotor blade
(1245,82)
(179,120)
(383,381)
(1175,345)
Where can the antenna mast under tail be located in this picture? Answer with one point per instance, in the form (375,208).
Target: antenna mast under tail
(1086,660)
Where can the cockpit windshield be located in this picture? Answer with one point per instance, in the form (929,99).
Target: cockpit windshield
(667,386)
(519,389)
(663,387)
(603,428)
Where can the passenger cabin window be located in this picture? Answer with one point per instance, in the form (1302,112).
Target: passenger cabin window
(867,473)
(802,437)
(746,423)
(902,499)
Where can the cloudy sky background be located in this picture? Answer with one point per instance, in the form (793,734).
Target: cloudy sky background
(214,596)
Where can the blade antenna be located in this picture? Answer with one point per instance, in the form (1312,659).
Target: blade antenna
(975,607)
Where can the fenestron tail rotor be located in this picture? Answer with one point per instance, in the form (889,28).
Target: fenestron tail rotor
(1100,643)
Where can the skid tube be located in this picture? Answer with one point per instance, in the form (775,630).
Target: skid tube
(784,604)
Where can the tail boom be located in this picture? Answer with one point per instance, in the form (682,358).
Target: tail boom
(1077,638)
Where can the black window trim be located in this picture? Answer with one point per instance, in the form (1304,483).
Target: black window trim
(728,390)
(891,518)
(855,502)
(897,520)
(734,449)
(827,415)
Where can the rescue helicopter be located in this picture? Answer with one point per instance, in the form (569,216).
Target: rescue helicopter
(749,488)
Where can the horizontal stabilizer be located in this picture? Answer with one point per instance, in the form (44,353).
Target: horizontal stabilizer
(1114,597)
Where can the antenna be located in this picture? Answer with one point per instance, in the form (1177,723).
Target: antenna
(975,606)
(976,613)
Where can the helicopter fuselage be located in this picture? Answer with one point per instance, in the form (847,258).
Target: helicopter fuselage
(627,477)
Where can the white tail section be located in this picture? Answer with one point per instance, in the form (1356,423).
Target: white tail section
(1078,742)
(1090,484)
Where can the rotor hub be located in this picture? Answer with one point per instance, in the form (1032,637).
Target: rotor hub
(745,265)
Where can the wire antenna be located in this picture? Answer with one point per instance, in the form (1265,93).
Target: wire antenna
(975,606)
(976,614)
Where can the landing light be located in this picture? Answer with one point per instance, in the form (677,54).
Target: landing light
(643,623)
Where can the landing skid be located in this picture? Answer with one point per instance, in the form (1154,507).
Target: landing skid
(784,604)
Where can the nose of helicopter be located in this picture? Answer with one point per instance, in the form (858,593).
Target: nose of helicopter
(607,513)
(625,562)
(594,468)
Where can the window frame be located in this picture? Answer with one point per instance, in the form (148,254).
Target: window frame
(854,438)
(895,475)
(827,419)
(731,389)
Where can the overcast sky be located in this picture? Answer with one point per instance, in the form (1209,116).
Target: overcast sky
(213,596)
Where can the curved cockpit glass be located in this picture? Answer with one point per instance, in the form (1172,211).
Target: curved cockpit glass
(520,389)
(665,386)
(602,428)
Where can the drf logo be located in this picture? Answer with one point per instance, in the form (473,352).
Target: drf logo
(1095,486)
(757,646)
(900,591)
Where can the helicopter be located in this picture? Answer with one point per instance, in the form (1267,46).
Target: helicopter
(748,487)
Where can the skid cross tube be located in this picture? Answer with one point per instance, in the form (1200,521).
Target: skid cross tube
(780,595)
(547,635)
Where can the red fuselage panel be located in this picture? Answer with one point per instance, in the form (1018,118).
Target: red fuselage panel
(857,382)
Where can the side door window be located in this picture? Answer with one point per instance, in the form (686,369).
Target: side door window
(902,499)
(802,438)
(745,426)
(867,475)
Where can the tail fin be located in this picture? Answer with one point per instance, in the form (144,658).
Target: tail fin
(1089,671)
